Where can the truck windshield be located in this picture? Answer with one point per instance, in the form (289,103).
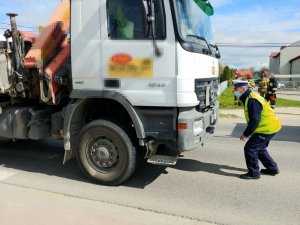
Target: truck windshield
(193,22)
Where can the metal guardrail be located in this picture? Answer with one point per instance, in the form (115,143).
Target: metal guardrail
(289,85)
(288,81)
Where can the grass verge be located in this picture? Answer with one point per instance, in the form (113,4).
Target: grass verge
(280,102)
(226,101)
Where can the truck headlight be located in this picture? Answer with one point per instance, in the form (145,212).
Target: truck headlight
(198,127)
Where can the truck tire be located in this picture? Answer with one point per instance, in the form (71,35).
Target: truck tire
(106,153)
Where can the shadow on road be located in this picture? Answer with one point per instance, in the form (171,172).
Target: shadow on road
(46,156)
(287,133)
(145,175)
(150,173)
(191,165)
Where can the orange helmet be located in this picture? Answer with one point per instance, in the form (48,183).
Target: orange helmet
(248,76)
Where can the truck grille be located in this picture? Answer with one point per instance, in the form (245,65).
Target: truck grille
(207,92)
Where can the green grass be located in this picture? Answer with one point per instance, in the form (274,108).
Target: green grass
(287,103)
(226,101)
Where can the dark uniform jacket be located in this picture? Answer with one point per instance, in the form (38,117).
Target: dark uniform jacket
(272,86)
(254,111)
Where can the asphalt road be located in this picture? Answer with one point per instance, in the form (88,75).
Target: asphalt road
(203,188)
(291,95)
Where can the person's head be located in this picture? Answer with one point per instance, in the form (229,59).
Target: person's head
(272,75)
(240,87)
(265,73)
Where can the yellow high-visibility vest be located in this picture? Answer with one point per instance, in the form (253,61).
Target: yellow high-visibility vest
(269,122)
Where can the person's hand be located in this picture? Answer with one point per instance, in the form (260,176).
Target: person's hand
(243,138)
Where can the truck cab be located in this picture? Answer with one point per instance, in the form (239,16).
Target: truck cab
(177,89)
(127,77)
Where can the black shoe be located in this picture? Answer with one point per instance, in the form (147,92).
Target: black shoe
(247,176)
(269,172)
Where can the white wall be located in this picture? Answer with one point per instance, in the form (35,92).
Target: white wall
(274,65)
(222,87)
(296,67)
(286,55)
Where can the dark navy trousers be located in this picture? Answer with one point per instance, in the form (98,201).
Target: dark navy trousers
(256,149)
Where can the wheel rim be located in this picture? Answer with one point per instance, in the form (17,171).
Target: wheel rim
(103,154)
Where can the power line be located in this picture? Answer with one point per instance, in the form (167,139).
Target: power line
(260,43)
(8,24)
(227,45)
(4,23)
(257,46)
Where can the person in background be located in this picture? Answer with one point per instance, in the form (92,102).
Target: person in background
(250,81)
(263,84)
(120,27)
(236,101)
(272,90)
(262,125)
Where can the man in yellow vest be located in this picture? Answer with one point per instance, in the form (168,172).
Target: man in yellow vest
(236,101)
(263,124)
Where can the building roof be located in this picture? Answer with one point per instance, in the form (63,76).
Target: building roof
(297,43)
(244,73)
(274,54)
(294,59)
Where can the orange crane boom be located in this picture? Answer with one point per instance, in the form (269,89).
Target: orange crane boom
(50,37)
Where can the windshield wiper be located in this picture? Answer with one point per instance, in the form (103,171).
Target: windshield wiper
(218,54)
(151,26)
(202,39)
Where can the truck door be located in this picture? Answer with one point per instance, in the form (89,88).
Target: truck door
(129,63)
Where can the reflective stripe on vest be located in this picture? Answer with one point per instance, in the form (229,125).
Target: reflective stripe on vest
(269,122)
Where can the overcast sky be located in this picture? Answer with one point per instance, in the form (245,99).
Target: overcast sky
(235,21)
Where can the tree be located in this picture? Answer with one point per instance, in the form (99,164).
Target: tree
(226,74)
(232,72)
(221,70)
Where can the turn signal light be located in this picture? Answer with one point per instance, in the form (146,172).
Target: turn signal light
(182,126)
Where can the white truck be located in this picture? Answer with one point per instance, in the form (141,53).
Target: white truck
(113,79)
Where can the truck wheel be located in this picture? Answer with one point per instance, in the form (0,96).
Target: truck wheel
(105,153)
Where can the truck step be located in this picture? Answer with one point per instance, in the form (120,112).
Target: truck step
(163,160)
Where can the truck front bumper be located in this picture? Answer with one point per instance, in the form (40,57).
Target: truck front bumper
(199,125)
